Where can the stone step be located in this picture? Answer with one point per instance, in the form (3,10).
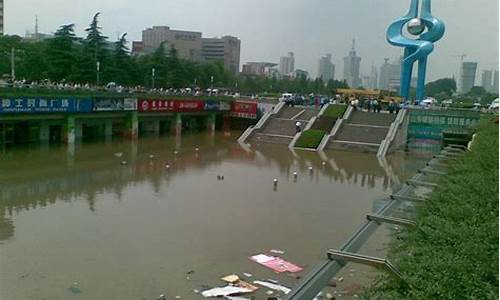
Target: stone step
(362,134)
(280,126)
(371,118)
(261,138)
(353,146)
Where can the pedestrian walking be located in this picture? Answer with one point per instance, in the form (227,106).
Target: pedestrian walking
(298,127)
(375,105)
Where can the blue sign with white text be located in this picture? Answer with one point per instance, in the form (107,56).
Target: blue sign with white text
(44,105)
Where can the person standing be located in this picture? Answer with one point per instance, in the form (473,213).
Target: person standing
(375,105)
(298,127)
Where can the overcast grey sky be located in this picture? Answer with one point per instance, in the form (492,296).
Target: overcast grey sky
(271,28)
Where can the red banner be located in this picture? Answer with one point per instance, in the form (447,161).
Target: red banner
(189,105)
(244,109)
(170,105)
(156,105)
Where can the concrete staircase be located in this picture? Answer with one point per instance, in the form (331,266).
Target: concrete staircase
(363,131)
(279,128)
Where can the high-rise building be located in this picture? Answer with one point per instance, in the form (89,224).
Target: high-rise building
(326,70)
(373,81)
(467,76)
(390,75)
(495,83)
(225,49)
(1,17)
(351,68)
(287,64)
(487,80)
(187,43)
(191,46)
(258,68)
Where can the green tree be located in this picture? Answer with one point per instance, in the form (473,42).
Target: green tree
(61,53)
(444,85)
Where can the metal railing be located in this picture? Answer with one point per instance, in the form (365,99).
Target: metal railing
(391,134)
(320,276)
(244,136)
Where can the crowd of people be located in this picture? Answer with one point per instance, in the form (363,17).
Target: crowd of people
(375,105)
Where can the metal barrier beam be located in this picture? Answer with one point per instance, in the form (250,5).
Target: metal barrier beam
(390,220)
(376,262)
(407,198)
(431,171)
(421,183)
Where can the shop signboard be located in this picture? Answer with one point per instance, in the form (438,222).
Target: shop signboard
(244,109)
(115,104)
(44,105)
(155,105)
(189,105)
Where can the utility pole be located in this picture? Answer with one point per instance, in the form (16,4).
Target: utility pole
(153,78)
(13,64)
(98,67)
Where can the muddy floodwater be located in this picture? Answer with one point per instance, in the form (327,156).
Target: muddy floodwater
(176,215)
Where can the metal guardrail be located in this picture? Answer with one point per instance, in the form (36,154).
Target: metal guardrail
(309,287)
(244,136)
(391,134)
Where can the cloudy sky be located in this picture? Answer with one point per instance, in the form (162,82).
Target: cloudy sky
(269,29)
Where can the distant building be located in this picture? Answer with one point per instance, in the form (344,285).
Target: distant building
(301,74)
(365,81)
(326,69)
(373,82)
(1,17)
(225,49)
(351,68)
(187,43)
(390,73)
(467,76)
(287,64)
(488,80)
(191,46)
(259,68)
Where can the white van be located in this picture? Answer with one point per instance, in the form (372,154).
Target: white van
(494,105)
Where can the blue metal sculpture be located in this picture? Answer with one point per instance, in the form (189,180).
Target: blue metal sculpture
(417,49)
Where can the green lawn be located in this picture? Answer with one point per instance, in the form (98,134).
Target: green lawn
(310,139)
(452,253)
(335,110)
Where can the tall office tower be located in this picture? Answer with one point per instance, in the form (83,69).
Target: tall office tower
(351,68)
(390,75)
(326,70)
(287,64)
(1,17)
(487,80)
(225,49)
(373,82)
(467,76)
(495,83)
(187,43)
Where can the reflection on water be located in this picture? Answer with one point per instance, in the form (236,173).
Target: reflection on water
(79,214)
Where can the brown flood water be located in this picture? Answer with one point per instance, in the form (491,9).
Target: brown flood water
(76,224)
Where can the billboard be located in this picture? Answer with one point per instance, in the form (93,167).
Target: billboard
(244,109)
(155,105)
(44,105)
(212,105)
(115,104)
(170,105)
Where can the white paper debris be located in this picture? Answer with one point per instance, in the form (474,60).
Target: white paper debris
(224,291)
(272,286)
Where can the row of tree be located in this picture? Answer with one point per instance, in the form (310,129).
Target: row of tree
(69,58)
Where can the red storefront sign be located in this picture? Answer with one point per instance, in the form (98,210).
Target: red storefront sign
(244,109)
(189,105)
(156,105)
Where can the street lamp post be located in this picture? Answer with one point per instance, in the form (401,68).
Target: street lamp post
(153,77)
(98,68)
(13,64)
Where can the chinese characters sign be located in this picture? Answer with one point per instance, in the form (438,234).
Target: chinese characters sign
(44,105)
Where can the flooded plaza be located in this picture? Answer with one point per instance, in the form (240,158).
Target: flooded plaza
(133,220)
